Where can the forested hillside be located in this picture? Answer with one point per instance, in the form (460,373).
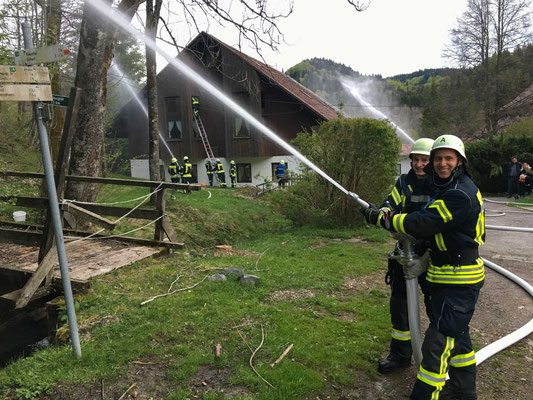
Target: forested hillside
(426,102)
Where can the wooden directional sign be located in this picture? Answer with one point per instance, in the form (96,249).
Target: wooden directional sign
(41,55)
(23,92)
(16,74)
(24,83)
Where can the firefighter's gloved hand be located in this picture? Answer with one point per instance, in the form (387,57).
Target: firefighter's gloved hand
(414,268)
(386,221)
(371,213)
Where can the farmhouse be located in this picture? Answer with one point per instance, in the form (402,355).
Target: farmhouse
(275,99)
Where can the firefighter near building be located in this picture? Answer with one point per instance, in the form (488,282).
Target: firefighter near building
(452,224)
(233,174)
(219,167)
(186,176)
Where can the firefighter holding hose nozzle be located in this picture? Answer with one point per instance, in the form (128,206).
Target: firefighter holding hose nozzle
(453,224)
(411,193)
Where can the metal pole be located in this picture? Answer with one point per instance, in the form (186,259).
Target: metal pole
(54,209)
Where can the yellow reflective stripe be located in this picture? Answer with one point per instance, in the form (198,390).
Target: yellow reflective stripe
(380,215)
(397,222)
(431,378)
(450,344)
(403,201)
(463,360)
(439,240)
(443,210)
(401,335)
(480,225)
(463,274)
(395,195)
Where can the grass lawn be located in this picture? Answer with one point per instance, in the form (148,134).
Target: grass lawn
(319,290)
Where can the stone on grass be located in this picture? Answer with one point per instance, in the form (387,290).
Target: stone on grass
(237,272)
(217,278)
(249,280)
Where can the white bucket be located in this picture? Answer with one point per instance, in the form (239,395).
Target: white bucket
(19,216)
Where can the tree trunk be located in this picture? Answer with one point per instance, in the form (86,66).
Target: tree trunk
(152,18)
(97,43)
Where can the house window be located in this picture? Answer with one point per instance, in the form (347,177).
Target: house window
(398,169)
(275,166)
(241,128)
(174,126)
(244,173)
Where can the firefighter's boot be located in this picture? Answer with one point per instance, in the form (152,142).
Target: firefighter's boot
(392,363)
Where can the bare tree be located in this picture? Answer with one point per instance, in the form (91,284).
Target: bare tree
(486,29)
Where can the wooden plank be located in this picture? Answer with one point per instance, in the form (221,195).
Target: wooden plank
(31,286)
(42,202)
(94,218)
(13,296)
(160,205)
(32,236)
(169,230)
(108,181)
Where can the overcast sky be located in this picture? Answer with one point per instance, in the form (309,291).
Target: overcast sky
(390,37)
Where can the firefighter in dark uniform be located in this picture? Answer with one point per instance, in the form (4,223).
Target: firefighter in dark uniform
(453,223)
(220,173)
(173,171)
(233,174)
(187,173)
(209,172)
(195,106)
(411,193)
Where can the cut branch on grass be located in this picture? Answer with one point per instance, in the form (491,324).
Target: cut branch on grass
(282,355)
(257,262)
(252,358)
(172,292)
(127,391)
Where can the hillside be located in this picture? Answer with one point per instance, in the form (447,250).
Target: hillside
(427,102)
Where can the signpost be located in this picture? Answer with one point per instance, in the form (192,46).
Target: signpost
(41,55)
(57,100)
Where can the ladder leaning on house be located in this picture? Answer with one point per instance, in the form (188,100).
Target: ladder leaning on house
(203,134)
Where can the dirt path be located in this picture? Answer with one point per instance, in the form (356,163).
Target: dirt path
(502,308)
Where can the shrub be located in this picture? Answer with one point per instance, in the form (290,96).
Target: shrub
(360,154)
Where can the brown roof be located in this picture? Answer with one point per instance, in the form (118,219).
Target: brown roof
(285,82)
(523,99)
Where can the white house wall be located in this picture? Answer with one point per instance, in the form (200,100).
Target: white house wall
(261,168)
